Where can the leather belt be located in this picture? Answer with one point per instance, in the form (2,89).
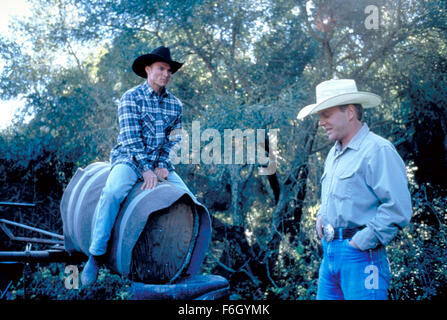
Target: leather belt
(330,233)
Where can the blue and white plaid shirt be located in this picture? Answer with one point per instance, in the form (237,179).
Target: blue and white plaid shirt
(146,121)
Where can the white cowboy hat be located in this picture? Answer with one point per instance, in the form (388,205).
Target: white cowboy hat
(339,92)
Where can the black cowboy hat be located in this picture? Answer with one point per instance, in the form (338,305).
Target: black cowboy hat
(159,54)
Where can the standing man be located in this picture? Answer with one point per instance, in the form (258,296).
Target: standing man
(364,199)
(148,115)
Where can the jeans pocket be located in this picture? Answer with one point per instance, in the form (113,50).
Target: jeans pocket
(350,246)
(384,265)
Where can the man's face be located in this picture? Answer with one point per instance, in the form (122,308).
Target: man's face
(158,74)
(335,122)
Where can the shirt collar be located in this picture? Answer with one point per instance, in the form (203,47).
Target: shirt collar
(356,140)
(151,91)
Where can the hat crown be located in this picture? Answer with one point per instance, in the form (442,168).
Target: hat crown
(338,92)
(162,52)
(331,88)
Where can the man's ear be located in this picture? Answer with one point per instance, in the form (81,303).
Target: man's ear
(351,112)
(147,69)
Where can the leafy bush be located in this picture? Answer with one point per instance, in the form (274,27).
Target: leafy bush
(48,283)
(418,257)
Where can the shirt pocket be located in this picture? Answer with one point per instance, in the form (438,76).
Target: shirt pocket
(345,184)
(168,122)
(148,125)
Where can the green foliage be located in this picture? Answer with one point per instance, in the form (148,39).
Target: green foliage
(48,283)
(248,64)
(418,254)
(417,258)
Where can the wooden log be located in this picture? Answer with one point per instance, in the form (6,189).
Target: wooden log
(158,235)
(165,245)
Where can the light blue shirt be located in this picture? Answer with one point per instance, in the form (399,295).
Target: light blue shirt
(365,184)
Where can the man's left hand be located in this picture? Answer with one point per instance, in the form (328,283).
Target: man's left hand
(353,244)
(162,173)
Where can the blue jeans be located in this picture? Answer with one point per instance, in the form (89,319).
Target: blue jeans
(349,273)
(120,181)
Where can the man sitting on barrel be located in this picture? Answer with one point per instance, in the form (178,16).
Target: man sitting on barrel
(148,115)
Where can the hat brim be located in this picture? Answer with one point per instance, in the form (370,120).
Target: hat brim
(366,99)
(141,62)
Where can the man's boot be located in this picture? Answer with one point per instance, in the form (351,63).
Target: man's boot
(90,272)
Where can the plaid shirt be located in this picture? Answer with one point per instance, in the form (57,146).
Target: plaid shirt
(146,121)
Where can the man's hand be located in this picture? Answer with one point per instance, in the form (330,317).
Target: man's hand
(319,227)
(353,244)
(150,180)
(162,173)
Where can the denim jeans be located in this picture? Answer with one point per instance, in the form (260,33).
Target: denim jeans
(347,273)
(119,183)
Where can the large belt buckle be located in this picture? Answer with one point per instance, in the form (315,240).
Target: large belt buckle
(328,232)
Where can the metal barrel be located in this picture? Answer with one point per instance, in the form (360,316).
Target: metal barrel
(158,236)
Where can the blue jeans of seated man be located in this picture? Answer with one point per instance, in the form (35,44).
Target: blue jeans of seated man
(348,273)
(120,181)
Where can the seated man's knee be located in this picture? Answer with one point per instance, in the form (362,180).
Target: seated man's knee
(115,191)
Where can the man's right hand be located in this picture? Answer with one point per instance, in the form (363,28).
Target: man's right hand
(319,227)
(162,173)
(150,180)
